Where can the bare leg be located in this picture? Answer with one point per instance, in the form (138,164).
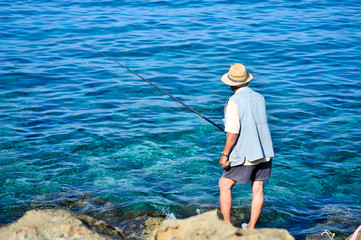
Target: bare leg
(257,203)
(225,197)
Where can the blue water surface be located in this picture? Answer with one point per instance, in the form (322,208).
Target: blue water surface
(81,133)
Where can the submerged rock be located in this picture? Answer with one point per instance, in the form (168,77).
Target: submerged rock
(59,224)
(209,226)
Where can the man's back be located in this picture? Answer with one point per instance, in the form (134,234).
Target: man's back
(254,137)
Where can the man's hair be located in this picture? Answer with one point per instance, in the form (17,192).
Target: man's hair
(243,85)
(239,86)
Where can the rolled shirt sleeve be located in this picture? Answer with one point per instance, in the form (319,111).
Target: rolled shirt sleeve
(232,123)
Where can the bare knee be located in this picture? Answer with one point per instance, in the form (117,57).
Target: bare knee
(257,187)
(226,183)
(257,191)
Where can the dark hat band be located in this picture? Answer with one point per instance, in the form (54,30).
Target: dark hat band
(237,81)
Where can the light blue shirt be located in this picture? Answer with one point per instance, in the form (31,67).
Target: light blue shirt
(254,140)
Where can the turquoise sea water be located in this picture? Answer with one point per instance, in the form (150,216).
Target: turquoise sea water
(81,133)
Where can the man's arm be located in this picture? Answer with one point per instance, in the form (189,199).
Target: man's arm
(230,141)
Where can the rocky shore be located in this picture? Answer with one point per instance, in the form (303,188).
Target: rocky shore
(209,226)
(63,225)
(60,225)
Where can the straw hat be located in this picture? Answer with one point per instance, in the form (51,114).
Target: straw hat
(237,75)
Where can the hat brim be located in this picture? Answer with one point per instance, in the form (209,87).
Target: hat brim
(225,79)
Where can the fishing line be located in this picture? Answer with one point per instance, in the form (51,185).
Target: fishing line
(170,95)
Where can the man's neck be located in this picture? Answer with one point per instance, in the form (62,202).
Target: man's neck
(235,90)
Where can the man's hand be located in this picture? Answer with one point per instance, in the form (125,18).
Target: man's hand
(230,141)
(224,161)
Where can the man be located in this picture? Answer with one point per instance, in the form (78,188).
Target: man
(248,150)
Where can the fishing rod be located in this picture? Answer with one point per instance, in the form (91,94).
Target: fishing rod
(160,89)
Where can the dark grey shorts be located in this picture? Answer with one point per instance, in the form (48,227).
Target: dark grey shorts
(243,173)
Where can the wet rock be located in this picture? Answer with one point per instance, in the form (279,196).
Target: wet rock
(142,227)
(60,225)
(325,235)
(209,226)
